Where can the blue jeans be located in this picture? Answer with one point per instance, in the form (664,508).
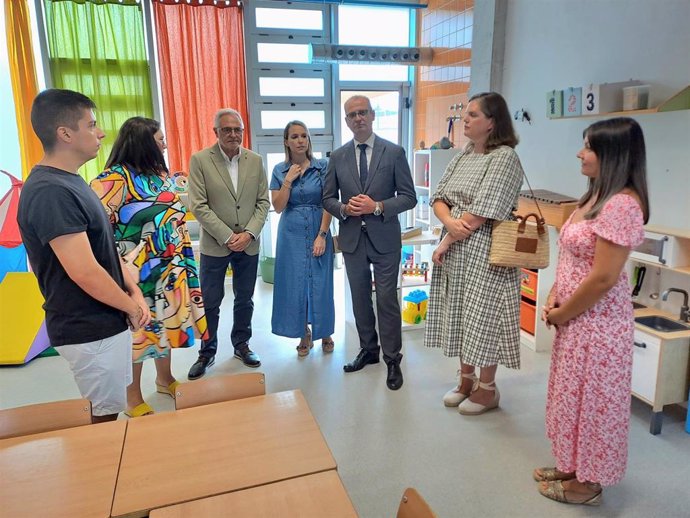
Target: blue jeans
(212,277)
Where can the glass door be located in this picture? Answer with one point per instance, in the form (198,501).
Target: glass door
(387,107)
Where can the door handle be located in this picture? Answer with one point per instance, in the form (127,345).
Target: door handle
(641,345)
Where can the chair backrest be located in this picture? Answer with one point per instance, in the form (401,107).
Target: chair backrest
(44,417)
(219,388)
(412,505)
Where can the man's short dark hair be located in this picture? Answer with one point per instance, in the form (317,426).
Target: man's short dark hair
(53,108)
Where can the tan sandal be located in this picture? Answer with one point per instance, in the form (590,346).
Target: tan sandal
(327,344)
(305,344)
(551,474)
(554,490)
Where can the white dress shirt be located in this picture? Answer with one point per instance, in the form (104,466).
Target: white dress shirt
(233,165)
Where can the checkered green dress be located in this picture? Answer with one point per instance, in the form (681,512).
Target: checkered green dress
(474,308)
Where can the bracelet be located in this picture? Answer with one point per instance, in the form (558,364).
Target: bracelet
(287,184)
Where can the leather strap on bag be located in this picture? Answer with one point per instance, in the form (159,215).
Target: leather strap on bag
(541,221)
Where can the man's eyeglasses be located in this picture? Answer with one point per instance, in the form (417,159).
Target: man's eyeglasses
(353,115)
(227,130)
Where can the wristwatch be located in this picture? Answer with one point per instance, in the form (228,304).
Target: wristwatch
(322,233)
(377,210)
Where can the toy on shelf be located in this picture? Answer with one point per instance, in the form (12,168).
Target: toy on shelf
(414,307)
(411,269)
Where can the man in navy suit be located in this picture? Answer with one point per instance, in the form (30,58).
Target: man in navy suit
(368,183)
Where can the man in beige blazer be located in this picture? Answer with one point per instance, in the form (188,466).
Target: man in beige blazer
(228,195)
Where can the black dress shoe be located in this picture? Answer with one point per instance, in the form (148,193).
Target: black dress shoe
(363,359)
(199,368)
(395,377)
(248,357)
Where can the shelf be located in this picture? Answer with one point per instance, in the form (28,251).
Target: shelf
(422,187)
(679,101)
(413,283)
(680,269)
(425,238)
(421,220)
(413,327)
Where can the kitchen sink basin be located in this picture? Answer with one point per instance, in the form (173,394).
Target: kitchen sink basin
(663,324)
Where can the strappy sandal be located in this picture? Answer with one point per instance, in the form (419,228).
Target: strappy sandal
(551,474)
(554,490)
(454,397)
(327,345)
(469,407)
(305,344)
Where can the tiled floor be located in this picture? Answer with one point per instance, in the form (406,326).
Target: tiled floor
(385,441)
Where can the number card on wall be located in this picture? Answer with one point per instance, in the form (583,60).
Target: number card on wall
(572,102)
(554,104)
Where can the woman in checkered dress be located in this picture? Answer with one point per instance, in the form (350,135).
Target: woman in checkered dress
(474,308)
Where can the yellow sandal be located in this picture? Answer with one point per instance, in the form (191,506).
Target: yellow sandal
(140,410)
(168,389)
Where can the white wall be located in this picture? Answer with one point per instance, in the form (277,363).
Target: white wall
(554,44)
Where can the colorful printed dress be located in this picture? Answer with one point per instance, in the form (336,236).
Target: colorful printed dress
(151,234)
(303,289)
(588,399)
(474,307)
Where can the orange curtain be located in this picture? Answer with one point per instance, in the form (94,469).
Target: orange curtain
(23,76)
(202,69)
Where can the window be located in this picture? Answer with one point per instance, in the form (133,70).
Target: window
(291,87)
(283,53)
(277,119)
(366,25)
(294,19)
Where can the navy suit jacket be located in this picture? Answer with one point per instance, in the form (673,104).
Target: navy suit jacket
(389,181)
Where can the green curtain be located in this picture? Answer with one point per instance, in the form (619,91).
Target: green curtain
(98,49)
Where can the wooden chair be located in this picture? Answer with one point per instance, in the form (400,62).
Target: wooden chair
(219,388)
(44,417)
(412,505)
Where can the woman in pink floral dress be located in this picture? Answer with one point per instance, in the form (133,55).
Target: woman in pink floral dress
(588,399)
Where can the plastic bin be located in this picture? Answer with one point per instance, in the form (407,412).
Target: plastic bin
(266,267)
(528,313)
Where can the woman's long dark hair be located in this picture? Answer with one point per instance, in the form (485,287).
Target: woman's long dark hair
(136,147)
(494,106)
(619,146)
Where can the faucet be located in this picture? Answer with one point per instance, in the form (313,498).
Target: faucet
(684,310)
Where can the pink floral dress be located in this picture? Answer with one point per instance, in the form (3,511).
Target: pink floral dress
(588,399)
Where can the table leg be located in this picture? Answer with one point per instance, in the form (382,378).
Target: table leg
(655,423)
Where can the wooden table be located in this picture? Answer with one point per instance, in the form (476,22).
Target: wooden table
(318,496)
(175,457)
(68,472)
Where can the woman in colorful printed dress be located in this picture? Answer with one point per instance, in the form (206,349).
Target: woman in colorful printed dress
(474,307)
(588,399)
(303,290)
(143,203)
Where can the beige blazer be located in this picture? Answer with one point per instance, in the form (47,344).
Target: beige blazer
(220,209)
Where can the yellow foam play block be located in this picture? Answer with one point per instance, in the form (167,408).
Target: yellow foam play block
(21,316)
